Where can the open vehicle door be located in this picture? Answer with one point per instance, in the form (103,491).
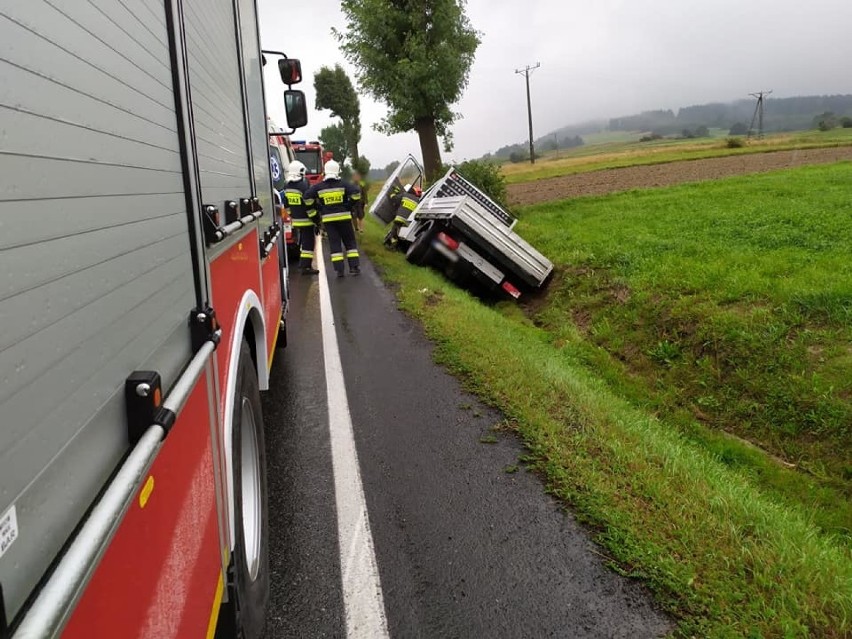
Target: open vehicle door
(409,172)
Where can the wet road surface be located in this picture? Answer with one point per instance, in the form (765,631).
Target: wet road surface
(463,548)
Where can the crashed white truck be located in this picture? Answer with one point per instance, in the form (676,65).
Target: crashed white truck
(461,231)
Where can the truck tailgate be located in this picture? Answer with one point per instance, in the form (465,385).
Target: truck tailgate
(480,225)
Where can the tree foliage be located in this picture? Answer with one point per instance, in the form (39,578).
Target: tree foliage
(415,56)
(336,93)
(825,121)
(333,139)
(487,176)
(362,165)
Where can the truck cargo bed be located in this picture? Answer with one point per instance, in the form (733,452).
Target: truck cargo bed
(490,234)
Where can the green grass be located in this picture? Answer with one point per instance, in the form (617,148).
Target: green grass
(725,307)
(737,290)
(623,154)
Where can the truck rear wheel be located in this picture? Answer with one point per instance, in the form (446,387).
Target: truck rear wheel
(244,615)
(419,251)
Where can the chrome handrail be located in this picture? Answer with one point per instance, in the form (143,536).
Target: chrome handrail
(50,609)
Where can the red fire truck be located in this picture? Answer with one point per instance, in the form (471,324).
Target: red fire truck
(142,298)
(313,156)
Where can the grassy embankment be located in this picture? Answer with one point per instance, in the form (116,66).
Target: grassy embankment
(679,314)
(623,154)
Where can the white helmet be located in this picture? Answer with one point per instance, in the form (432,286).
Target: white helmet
(296,171)
(332,170)
(407,187)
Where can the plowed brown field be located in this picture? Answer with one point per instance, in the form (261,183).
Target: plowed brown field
(654,175)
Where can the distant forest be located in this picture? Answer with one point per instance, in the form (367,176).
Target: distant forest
(781,114)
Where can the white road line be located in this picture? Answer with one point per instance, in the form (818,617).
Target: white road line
(362,589)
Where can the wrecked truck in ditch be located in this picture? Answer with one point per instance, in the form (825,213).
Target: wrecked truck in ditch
(459,230)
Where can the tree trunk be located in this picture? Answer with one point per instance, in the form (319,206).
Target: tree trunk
(429,147)
(350,132)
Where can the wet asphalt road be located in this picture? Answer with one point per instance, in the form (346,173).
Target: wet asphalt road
(464,549)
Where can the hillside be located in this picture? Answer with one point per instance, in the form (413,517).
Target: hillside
(781,114)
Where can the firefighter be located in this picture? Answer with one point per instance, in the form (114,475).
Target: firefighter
(335,198)
(361,207)
(303,213)
(405,201)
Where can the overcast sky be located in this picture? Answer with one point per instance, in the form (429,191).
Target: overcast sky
(600,59)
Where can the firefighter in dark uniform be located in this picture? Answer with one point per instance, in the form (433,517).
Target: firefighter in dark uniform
(334,199)
(303,214)
(405,201)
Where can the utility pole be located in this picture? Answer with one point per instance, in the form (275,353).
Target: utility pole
(527,71)
(758,113)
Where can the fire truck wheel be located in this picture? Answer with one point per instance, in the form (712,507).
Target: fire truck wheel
(244,616)
(421,248)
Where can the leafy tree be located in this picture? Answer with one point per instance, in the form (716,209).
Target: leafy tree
(826,121)
(362,165)
(740,128)
(333,139)
(415,56)
(702,132)
(335,92)
(846,122)
(390,168)
(487,177)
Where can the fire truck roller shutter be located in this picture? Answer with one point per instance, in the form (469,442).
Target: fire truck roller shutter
(259,138)
(217,102)
(95,246)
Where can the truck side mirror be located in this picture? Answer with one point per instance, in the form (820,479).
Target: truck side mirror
(290,70)
(296,107)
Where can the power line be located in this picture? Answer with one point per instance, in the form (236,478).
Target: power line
(527,71)
(758,113)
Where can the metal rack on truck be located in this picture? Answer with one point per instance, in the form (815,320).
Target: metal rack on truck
(459,229)
(142,297)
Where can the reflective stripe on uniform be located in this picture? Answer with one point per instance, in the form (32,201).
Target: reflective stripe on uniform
(294,197)
(309,203)
(409,204)
(337,257)
(337,217)
(306,254)
(401,220)
(353,253)
(332,196)
(355,197)
(302,223)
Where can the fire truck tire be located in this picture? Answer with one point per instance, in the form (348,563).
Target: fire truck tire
(420,250)
(244,615)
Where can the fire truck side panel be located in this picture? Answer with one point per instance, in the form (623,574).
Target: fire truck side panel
(95,271)
(168,542)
